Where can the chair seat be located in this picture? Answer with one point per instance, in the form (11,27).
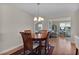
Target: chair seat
(35,45)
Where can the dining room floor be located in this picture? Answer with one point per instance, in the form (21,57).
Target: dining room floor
(61,47)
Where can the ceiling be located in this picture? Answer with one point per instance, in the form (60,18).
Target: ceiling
(50,10)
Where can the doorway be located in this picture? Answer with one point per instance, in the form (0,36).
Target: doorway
(60,27)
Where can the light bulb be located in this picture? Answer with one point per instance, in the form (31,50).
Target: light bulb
(39,18)
(35,18)
(42,19)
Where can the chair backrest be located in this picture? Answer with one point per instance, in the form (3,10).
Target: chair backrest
(27,40)
(44,33)
(27,31)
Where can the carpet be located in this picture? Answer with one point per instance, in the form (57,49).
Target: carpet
(49,52)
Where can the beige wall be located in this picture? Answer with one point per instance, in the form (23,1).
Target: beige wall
(75,27)
(12,21)
(1,13)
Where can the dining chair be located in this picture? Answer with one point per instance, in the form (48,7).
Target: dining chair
(28,42)
(46,42)
(29,31)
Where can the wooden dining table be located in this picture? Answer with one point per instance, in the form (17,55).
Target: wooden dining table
(40,37)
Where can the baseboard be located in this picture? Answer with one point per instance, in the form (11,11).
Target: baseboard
(11,50)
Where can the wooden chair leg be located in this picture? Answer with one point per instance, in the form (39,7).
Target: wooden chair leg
(40,47)
(36,50)
(76,51)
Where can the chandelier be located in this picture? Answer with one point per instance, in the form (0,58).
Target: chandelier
(38,18)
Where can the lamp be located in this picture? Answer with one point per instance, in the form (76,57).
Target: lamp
(38,18)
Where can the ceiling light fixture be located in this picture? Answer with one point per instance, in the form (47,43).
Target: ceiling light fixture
(38,18)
